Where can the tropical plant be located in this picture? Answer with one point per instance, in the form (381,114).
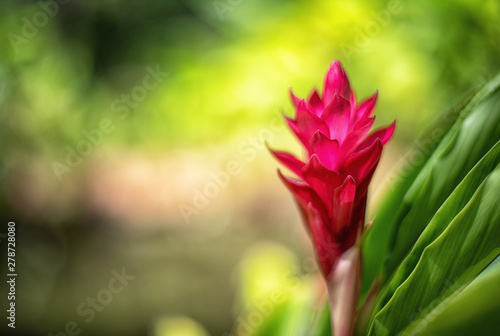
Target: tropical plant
(430,257)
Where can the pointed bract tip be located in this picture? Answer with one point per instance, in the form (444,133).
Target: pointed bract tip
(295,100)
(336,63)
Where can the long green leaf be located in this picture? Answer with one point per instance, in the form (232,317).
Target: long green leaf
(467,245)
(460,150)
(475,311)
(450,209)
(376,245)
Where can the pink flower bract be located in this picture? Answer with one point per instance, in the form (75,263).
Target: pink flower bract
(332,183)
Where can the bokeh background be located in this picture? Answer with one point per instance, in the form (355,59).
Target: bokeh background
(132,138)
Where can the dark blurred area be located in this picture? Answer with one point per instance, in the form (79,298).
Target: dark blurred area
(132,143)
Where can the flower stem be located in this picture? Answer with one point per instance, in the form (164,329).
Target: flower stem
(344,285)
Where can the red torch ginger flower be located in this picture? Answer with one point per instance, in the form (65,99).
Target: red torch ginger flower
(332,182)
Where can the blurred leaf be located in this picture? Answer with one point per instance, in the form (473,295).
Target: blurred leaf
(447,264)
(277,301)
(266,267)
(439,223)
(473,312)
(375,247)
(292,314)
(321,324)
(470,138)
(181,326)
(270,325)
(423,191)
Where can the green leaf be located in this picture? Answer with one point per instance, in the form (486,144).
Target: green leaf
(450,209)
(448,263)
(475,311)
(292,315)
(321,325)
(467,142)
(375,247)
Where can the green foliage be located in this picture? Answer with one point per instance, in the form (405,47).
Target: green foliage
(433,169)
(457,201)
(376,244)
(446,228)
(467,142)
(475,311)
(456,245)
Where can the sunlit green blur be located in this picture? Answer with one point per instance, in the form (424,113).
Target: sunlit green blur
(132,135)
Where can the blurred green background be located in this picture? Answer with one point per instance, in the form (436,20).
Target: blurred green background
(132,136)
